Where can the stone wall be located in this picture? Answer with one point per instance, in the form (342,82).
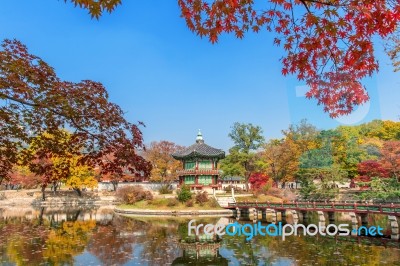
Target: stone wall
(146,185)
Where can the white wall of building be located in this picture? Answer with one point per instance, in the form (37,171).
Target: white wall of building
(146,185)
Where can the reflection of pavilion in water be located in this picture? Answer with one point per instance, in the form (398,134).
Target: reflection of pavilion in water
(200,249)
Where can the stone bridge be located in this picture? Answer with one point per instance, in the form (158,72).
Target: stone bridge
(357,211)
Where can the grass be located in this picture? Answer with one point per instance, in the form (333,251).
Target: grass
(162,204)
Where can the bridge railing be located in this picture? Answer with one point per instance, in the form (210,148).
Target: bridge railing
(333,206)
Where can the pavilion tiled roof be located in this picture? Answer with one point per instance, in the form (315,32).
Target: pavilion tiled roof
(200,150)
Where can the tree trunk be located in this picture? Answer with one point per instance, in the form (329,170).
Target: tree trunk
(78,191)
(41,215)
(115,184)
(54,187)
(75,217)
(246,180)
(43,193)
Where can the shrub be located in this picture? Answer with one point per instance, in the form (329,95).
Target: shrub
(165,189)
(201,198)
(172,202)
(289,195)
(133,194)
(258,180)
(184,194)
(269,185)
(189,203)
(213,203)
(148,195)
(276,192)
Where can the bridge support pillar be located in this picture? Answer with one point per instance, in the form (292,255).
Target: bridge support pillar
(283,216)
(273,216)
(295,217)
(321,221)
(364,219)
(354,223)
(304,215)
(254,213)
(238,213)
(331,217)
(394,226)
(245,213)
(264,214)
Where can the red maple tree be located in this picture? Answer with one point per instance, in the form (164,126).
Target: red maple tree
(391,158)
(258,180)
(328,43)
(369,169)
(36,101)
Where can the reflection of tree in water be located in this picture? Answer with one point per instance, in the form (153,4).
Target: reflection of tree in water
(40,241)
(266,250)
(328,251)
(53,241)
(67,241)
(21,241)
(110,244)
(244,250)
(154,240)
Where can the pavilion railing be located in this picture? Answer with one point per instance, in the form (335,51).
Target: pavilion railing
(198,172)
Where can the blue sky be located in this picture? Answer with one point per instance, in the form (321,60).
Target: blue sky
(176,83)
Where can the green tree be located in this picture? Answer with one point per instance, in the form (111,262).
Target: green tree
(246,137)
(382,188)
(242,159)
(319,168)
(304,135)
(320,183)
(184,194)
(336,146)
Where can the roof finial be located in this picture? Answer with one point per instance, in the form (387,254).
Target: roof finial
(199,138)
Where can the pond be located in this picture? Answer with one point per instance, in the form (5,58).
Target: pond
(100,237)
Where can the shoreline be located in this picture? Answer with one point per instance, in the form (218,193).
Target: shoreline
(174,213)
(61,198)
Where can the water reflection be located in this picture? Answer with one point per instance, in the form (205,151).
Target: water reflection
(98,237)
(202,249)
